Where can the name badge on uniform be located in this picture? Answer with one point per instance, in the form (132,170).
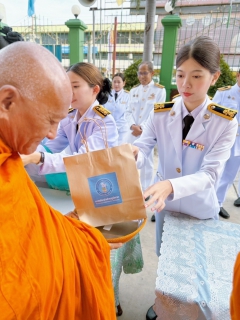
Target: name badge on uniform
(193,145)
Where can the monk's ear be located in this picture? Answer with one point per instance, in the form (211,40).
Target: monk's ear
(8,97)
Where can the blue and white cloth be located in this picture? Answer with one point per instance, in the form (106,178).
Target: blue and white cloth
(195,269)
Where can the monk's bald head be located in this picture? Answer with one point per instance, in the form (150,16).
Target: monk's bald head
(35,94)
(32,69)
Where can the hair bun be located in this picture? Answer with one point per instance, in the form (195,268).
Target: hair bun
(107,86)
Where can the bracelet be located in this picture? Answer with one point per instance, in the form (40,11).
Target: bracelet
(42,158)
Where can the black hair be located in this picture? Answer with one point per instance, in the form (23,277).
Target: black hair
(121,75)
(203,50)
(92,75)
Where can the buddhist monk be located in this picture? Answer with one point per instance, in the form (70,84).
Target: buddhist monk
(235,298)
(51,266)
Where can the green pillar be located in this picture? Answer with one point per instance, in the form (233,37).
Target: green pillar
(2,25)
(76,39)
(171,24)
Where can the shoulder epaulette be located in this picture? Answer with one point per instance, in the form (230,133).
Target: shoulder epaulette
(163,106)
(126,91)
(176,96)
(159,85)
(101,111)
(136,85)
(70,110)
(222,111)
(210,97)
(224,88)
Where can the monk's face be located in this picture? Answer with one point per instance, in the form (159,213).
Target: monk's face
(40,119)
(30,121)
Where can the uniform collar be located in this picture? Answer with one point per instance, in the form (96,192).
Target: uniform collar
(86,114)
(119,92)
(195,112)
(148,85)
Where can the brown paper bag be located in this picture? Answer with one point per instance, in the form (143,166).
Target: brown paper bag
(105,185)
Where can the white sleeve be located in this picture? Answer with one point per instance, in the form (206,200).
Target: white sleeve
(128,114)
(146,142)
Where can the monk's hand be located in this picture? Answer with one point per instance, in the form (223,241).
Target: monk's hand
(159,192)
(135,151)
(72,214)
(31,158)
(136,130)
(115,245)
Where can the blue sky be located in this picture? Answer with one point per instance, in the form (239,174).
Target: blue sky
(51,11)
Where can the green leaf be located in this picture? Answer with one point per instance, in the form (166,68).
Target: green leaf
(226,78)
(131,75)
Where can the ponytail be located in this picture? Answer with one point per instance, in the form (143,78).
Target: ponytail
(104,93)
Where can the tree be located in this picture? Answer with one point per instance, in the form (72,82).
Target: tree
(131,75)
(226,78)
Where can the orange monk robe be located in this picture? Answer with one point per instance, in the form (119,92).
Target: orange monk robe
(235,297)
(51,267)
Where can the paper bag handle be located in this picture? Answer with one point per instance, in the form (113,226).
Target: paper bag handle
(104,133)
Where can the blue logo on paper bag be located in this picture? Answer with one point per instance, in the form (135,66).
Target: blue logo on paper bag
(105,190)
(104,187)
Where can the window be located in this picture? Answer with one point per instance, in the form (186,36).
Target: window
(123,37)
(122,56)
(62,37)
(137,56)
(137,37)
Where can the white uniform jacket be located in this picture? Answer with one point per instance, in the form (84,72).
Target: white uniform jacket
(192,172)
(69,139)
(118,109)
(230,98)
(141,104)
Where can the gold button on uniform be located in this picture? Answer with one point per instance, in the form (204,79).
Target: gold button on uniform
(206,116)
(172,113)
(178,170)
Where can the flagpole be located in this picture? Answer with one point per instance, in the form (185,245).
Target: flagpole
(93,35)
(100,45)
(229,13)
(114,45)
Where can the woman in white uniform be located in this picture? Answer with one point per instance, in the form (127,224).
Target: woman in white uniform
(89,90)
(117,105)
(194,138)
